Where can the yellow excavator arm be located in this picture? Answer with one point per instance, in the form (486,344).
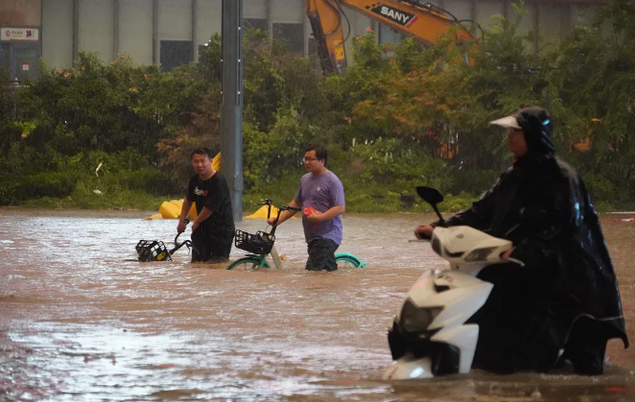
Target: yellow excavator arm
(423,21)
(326,21)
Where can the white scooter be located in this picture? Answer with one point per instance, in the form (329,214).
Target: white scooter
(429,336)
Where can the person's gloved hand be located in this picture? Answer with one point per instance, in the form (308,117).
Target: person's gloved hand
(424,231)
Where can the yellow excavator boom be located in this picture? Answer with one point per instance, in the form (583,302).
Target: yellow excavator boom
(423,21)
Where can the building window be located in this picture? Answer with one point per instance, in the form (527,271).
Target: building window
(5,58)
(257,23)
(175,53)
(292,34)
(201,54)
(389,35)
(201,50)
(20,59)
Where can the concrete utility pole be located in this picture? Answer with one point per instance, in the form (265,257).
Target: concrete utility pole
(232,103)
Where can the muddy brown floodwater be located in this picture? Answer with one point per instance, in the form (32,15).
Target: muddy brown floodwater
(80,321)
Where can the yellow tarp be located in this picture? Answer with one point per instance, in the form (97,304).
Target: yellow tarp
(262,213)
(172,209)
(216,162)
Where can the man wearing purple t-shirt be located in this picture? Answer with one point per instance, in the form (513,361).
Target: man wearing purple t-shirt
(321,194)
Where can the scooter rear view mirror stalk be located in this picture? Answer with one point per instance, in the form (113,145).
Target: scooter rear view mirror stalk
(436,209)
(433,197)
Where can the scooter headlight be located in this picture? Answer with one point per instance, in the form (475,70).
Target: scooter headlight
(415,319)
(480,254)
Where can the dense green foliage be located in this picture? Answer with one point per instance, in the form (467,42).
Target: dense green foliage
(395,119)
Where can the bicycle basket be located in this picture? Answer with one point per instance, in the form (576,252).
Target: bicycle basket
(259,243)
(152,250)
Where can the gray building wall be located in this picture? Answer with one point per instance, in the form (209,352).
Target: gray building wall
(57,33)
(461,9)
(175,20)
(137,28)
(95,27)
(208,23)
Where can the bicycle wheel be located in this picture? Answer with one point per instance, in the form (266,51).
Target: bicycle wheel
(349,260)
(248,264)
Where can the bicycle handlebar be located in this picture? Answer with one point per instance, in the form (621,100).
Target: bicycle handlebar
(178,245)
(268,203)
(187,222)
(282,208)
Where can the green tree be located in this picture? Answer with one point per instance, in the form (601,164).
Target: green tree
(595,72)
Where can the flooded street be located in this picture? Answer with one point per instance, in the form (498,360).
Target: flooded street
(82,321)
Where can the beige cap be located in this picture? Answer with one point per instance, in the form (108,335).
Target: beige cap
(508,122)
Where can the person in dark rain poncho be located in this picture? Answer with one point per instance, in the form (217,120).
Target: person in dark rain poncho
(564,305)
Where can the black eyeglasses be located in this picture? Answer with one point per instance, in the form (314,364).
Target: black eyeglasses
(309,159)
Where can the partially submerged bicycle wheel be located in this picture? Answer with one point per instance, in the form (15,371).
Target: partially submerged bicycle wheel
(349,260)
(248,264)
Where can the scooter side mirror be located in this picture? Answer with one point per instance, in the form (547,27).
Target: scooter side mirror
(433,197)
(430,195)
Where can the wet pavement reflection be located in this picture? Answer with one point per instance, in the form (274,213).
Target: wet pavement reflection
(82,320)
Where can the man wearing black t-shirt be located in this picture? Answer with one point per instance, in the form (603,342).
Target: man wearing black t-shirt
(213,229)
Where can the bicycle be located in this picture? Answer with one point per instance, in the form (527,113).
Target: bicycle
(155,250)
(260,245)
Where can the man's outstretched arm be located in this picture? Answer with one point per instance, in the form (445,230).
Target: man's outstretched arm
(285,214)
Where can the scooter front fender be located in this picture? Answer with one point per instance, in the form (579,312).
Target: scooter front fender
(408,369)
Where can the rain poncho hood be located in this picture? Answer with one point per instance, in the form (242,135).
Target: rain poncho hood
(536,125)
(542,205)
